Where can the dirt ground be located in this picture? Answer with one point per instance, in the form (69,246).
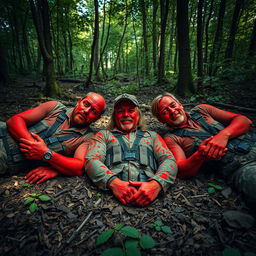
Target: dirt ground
(196,218)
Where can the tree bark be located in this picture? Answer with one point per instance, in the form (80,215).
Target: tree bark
(207,35)
(233,30)
(217,39)
(144,34)
(94,41)
(252,47)
(200,43)
(40,13)
(164,6)
(154,36)
(185,85)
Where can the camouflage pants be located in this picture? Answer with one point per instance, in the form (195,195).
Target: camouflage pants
(241,174)
(3,159)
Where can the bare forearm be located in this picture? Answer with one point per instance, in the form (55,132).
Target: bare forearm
(190,166)
(18,128)
(238,126)
(67,165)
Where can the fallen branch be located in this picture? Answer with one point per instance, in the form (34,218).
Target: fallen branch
(82,224)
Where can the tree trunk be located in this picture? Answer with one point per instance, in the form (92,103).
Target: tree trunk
(121,40)
(164,6)
(185,85)
(137,55)
(252,47)
(172,33)
(154,36)
(144,34)
(233,29)
(200,43)
(40,13)
(94,41)
(4,75)
(207,35)
(217,39)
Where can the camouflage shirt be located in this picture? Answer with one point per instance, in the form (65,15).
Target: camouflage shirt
(130,170)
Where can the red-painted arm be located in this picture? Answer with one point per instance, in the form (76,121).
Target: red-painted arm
(18,124)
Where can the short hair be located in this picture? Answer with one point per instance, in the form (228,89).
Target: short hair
(156,100)
(142,124)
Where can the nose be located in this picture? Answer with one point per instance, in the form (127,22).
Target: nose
(125,113)
(86,110)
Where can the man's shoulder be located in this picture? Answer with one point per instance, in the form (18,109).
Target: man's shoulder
(201,108)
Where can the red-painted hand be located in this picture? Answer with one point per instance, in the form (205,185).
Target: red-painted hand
(122,190)
(147,192)
(41,174)
(33,149)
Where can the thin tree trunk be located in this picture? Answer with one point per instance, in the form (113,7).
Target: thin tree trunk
(164,6)
(200,43)
(217,39)
(122,37)
(185,85)
(154,36)
(95,38)
(207,35)
(144,34)
(233,29)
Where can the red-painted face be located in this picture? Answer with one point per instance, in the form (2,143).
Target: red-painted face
(126,116)
(88,110)
(171,112)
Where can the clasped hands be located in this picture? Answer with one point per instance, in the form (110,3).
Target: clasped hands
(135,192)
(214,147)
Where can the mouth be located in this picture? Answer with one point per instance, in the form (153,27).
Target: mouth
(126,121)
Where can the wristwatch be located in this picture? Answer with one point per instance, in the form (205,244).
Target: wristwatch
(47,155)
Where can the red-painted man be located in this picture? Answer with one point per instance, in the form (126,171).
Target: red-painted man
(49,139)
(134,163)
(209,134)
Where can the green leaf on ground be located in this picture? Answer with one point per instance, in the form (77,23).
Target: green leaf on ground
(113,252)
(104,236)
(131,243)
(118,227)
(158,223)
(33,207)
(130,231)
(217,187)
(26,184)
(158,228)
(147,242)
(166,229)
(44,198)
(34,194)
(211,190)
(133,251)
(29,200)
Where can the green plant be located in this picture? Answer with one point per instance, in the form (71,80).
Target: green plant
(25,184)
(159,226)
(132,241)
(33,200)
(235,252)
(212,188)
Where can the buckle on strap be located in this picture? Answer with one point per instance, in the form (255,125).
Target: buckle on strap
(3,132)
(129,156)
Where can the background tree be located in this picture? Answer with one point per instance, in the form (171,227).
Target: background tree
(185,85)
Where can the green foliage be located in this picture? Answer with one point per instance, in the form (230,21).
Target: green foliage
(33,200)
(26,184)
(116,88)
(159,226)
(132,241)
(212,188)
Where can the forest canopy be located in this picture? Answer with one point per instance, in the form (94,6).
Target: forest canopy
(185,44)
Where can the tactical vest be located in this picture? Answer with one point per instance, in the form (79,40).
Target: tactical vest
(139,153)
(45,131)
(237,147)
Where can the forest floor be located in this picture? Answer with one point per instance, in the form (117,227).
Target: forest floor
(199,221)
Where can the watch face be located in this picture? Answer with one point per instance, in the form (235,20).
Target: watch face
(47,155)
